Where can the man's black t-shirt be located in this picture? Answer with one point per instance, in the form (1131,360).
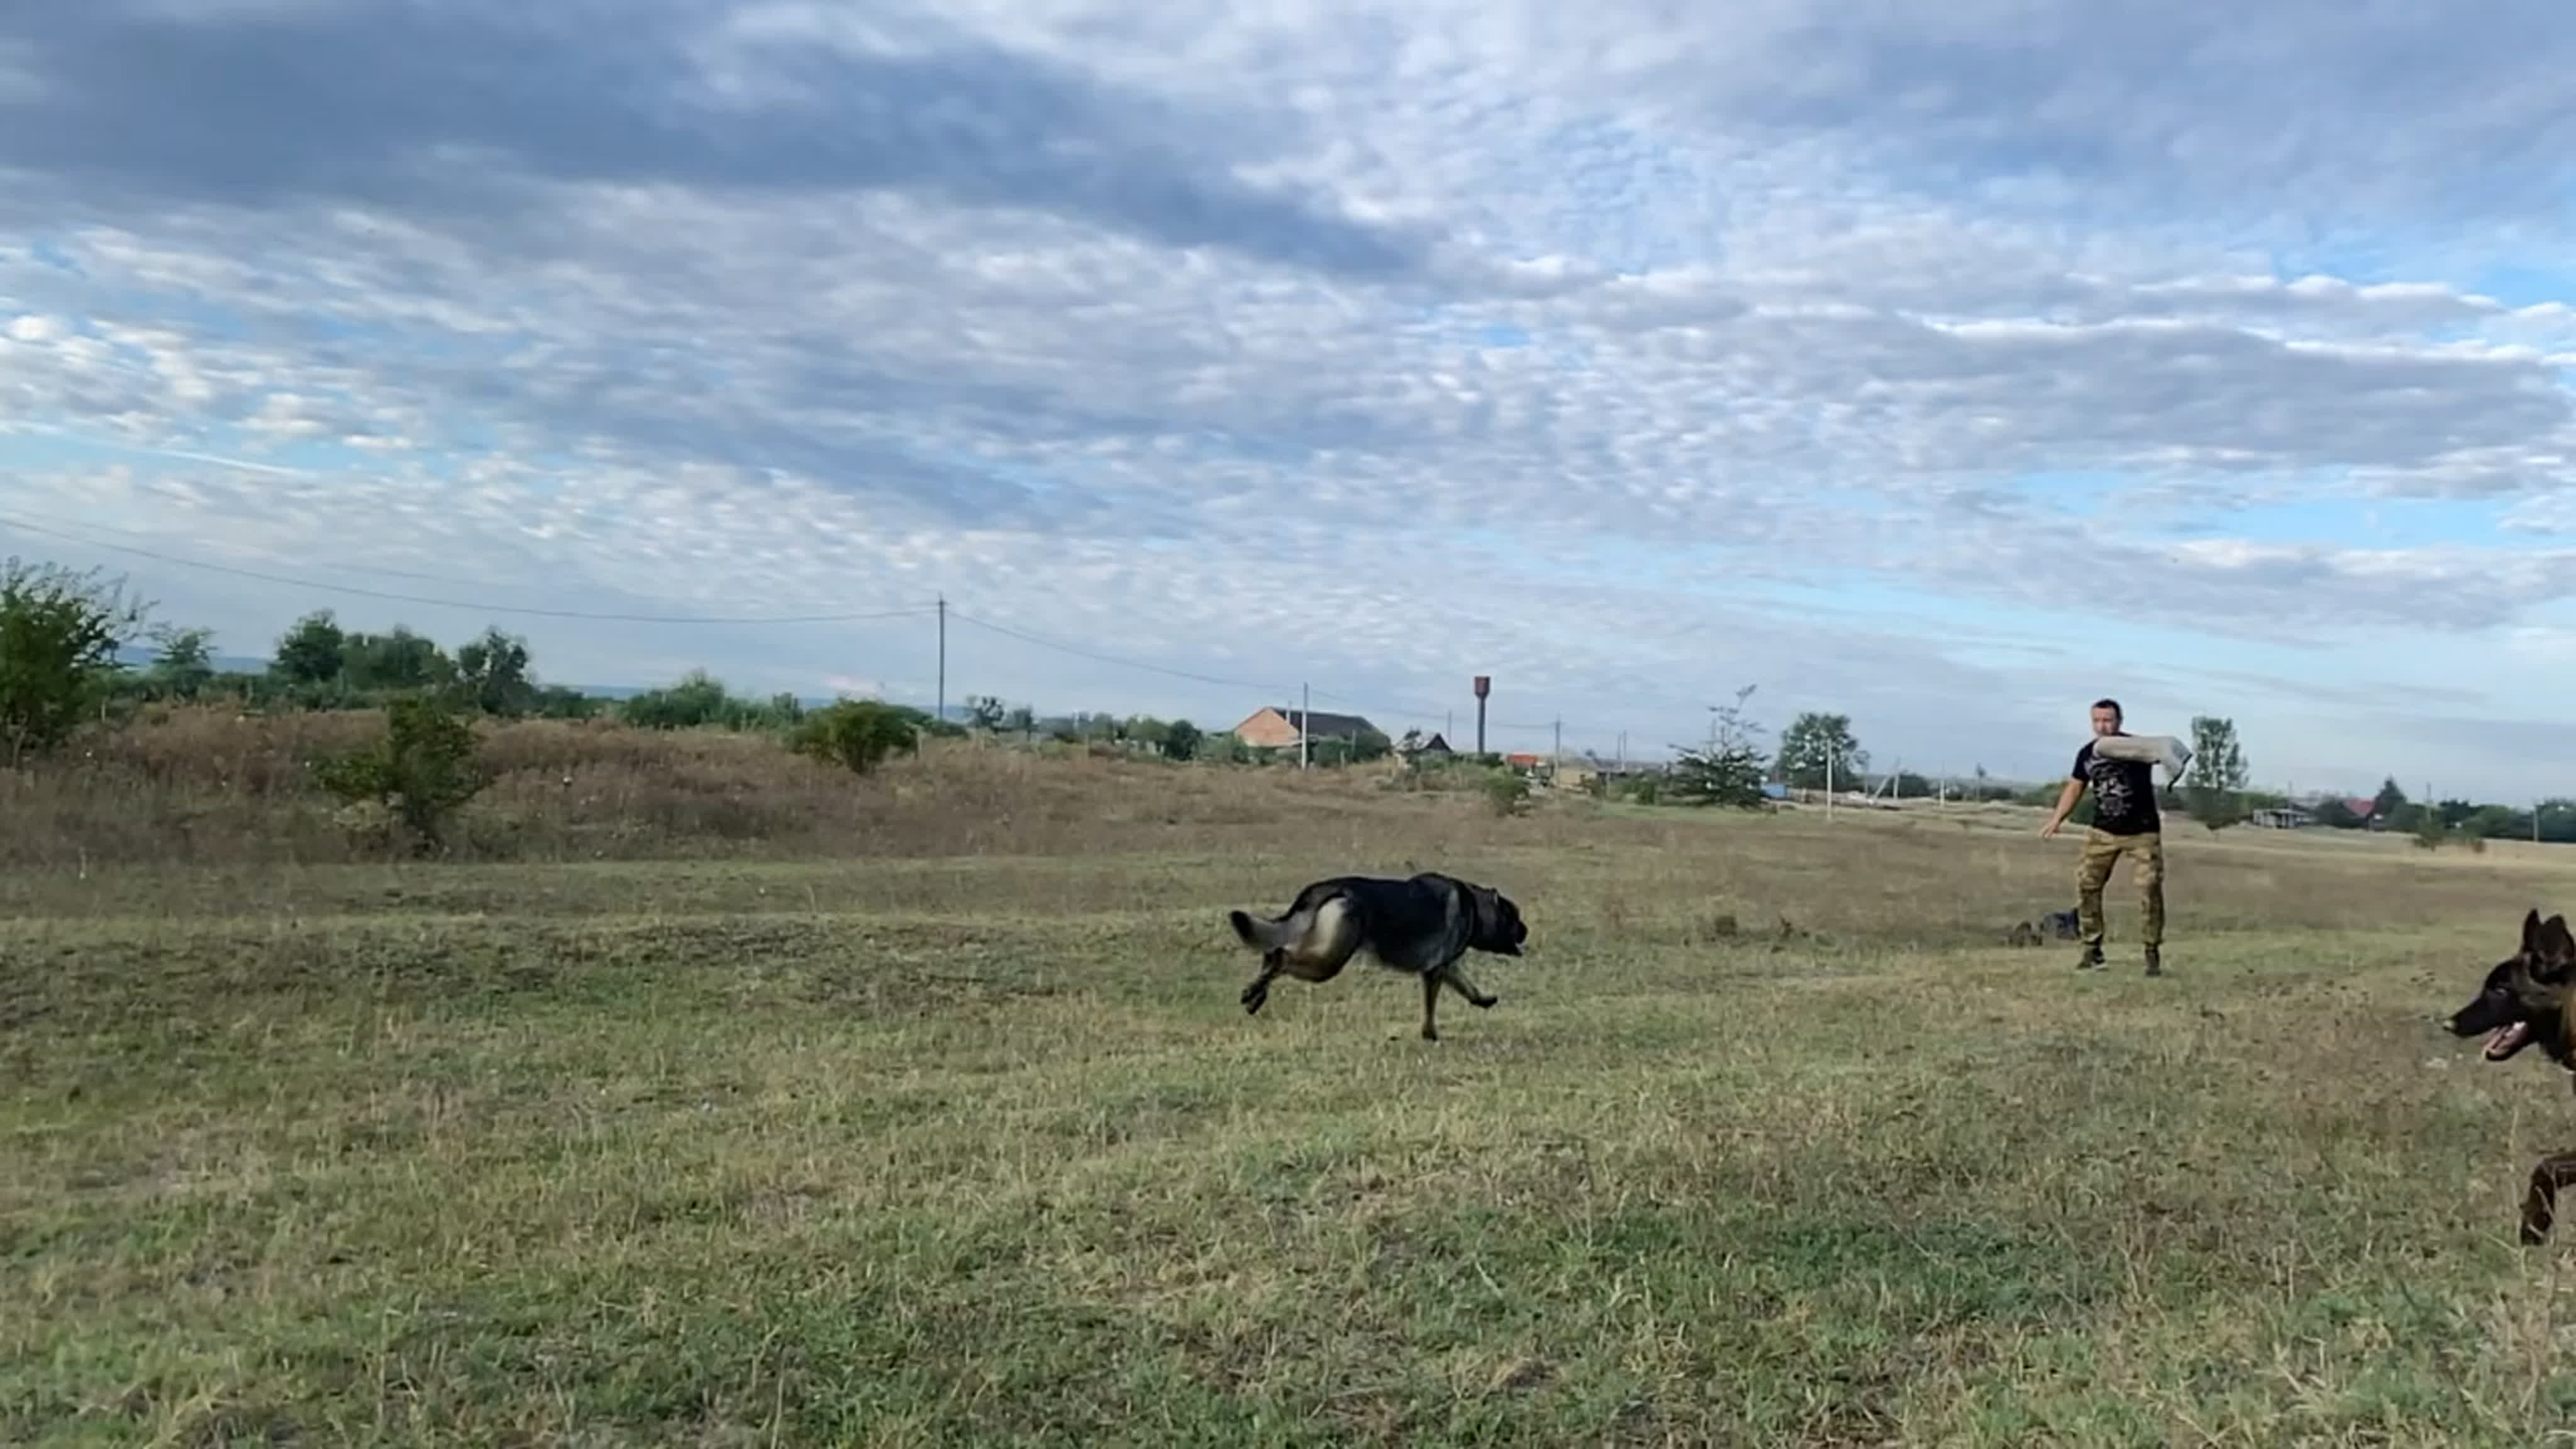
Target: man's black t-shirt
(2124,793)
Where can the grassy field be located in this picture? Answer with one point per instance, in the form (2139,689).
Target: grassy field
(963,1139)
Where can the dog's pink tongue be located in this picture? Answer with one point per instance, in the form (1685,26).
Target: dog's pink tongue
(2502,1039)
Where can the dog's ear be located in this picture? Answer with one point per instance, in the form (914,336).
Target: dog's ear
(2531,932)
(2555,953)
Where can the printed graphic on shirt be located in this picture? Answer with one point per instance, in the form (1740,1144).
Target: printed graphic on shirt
(2124,792)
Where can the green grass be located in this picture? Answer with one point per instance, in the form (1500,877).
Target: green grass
(984,1152)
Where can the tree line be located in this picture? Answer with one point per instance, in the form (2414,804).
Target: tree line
(66,641)
(65,638)
(1818,748)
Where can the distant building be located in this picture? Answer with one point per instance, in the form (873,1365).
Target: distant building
(2284,817)
(1269,728)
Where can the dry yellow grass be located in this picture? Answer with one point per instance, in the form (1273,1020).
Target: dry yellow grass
(200,786)
(923,1113)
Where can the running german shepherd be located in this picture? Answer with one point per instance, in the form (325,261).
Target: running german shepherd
(2524,1002)
(1422,926)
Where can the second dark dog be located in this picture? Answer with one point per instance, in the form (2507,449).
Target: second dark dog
(1422,926)
(2523,1002)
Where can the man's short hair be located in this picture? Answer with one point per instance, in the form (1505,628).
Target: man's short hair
(2113,706)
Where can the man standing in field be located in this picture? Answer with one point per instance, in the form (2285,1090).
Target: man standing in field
(2125,822)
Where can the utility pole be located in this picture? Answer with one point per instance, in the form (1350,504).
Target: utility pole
(1305,723)
(1557,765)
(1829,781)
(942,716)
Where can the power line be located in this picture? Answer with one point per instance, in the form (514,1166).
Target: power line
(488,608)
(1384,707)
(1096,657)
(1416,711)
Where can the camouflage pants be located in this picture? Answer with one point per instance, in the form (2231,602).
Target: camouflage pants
(2102,851)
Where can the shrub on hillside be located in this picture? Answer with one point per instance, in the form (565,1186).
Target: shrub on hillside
(1729,775)
(859,734)
(2430,832)
(410,781)
(60,632)
(699,701)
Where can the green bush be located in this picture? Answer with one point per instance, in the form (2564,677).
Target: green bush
(1730,775)
(416,777)
(859,734)
(2430,832)
(59,636)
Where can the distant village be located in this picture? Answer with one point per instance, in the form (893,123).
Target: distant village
(1275,728)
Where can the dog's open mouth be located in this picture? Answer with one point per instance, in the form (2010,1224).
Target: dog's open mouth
(2502,1041)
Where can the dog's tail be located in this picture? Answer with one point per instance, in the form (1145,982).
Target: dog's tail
(1266,934)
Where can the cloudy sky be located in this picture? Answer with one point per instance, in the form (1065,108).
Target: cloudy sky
(1947,364)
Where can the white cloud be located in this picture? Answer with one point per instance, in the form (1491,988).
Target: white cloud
(1314,342)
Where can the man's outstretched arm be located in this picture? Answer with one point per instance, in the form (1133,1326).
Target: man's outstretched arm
(2066,799)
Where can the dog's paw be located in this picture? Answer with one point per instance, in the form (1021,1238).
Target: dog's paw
(1485,1003)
